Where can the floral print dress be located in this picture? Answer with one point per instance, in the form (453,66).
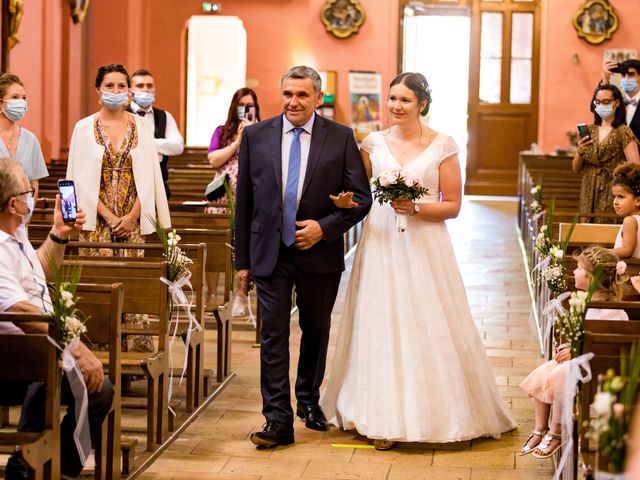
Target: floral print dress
(118,193)
(600,160)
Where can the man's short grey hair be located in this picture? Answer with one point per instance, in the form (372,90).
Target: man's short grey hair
(10,181)
(302,72)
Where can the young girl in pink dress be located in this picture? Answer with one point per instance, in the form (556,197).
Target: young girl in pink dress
(625,189)
(546,383)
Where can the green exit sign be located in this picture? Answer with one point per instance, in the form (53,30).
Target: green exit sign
(211,7)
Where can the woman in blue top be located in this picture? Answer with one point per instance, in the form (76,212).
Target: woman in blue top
(17,142)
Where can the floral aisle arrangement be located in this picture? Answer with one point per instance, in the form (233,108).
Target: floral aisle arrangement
(613,409)
(536,204)
(398,184)
(569,326)
(178,279)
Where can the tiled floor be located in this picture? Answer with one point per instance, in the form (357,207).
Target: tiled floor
(216,445)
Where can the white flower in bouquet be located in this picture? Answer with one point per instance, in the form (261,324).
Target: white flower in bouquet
(67,298)
(543,228)
(535,206)
(74,326)
(556,252)
(536,190)
(602,403)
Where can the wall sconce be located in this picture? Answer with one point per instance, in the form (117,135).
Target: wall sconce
(211,7)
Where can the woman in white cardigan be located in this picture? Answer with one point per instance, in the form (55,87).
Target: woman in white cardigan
(115,167)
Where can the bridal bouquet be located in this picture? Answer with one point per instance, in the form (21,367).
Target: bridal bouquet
(398,184)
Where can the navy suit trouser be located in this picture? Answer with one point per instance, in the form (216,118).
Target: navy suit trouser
(315,296)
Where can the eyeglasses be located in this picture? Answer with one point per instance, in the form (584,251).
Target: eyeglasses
(31,193)
(604,102)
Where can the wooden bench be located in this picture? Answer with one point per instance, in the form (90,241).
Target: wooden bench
(144,294)
(40,451)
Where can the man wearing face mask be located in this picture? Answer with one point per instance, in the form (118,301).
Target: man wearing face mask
(630,73)
(15,141)
(167,139)
(23,276)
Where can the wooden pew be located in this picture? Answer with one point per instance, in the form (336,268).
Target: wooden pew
(586,234)
(102,304)
(39,450)
(144,293)
(195,355)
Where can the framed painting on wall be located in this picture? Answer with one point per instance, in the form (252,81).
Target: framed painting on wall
(342,17)
(595,21)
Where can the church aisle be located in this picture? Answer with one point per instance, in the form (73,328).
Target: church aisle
(216,445)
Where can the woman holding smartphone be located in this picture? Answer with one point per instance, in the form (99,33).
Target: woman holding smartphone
(223,156)
(115,167)
(608,143)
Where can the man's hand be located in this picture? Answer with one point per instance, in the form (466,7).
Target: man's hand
(245,281)
(90,367)
(563,355)
(61,229)
(310,234)
(606,70)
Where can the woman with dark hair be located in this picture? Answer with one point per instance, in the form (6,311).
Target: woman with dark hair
(115,167)
(408,349)
(223,156)
(610,142)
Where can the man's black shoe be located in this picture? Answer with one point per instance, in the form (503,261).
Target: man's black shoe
(15,469)
(312,416)
(274,434)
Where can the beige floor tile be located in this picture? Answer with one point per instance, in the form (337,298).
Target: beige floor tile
(177,462)
(347,471)
(499,459)
(401,471)
(293,468)
(495,474)
(398,455)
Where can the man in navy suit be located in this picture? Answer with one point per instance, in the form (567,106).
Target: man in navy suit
(289,233)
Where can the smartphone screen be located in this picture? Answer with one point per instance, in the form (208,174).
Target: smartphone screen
(68,202)
(250,113)
(583,131)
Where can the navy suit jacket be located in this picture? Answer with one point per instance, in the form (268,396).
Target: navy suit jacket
(334,165)
(634,125)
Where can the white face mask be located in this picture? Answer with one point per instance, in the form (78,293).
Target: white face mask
(30,206)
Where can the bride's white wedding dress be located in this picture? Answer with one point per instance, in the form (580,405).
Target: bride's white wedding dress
(409,363)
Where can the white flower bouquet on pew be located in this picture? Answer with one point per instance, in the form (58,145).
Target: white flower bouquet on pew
(613,408)
(68,321)
(398,184)
(536,204)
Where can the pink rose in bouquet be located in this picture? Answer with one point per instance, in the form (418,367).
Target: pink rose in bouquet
(398,184)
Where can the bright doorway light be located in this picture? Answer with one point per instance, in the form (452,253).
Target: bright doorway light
(216,68)
(436,44)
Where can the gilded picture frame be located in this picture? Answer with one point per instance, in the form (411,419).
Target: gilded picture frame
(596,21)
(79,10)
(342,18)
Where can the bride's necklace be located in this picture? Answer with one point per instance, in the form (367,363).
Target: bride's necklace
(10,140)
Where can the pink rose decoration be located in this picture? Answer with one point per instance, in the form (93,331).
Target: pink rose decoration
(618,410)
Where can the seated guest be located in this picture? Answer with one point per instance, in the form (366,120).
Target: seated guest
(610,142)
(23,276)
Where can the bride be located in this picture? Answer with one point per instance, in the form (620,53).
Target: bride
(409,363)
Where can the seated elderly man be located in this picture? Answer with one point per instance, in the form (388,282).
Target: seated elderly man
(23,276)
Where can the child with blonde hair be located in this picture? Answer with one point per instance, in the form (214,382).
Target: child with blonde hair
(625,189)
(546,383)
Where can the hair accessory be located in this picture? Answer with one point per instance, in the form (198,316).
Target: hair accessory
(621,267)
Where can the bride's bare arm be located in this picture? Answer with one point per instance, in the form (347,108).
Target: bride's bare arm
(451,189)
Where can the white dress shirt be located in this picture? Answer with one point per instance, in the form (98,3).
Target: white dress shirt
(305,145)
(631,109)
(172,143)
(21,276)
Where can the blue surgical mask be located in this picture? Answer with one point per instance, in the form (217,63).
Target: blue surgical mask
(604,111)
(628,85)
(144,99)
(15,109)
(31,202)
(114,101)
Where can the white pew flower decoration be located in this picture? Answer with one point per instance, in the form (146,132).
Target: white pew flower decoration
(68,320)
(536,204)
(398,184)
(613,408)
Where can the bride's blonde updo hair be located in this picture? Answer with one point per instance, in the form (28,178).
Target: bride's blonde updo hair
(417,83)
(613,279)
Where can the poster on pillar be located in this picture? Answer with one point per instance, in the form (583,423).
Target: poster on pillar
(365,93)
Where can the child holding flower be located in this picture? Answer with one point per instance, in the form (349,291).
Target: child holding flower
(546,383)
(625,189)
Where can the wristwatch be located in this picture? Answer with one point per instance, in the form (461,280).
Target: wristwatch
(416,208)
(58,240)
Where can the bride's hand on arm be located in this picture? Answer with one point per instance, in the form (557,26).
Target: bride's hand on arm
(343,200)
